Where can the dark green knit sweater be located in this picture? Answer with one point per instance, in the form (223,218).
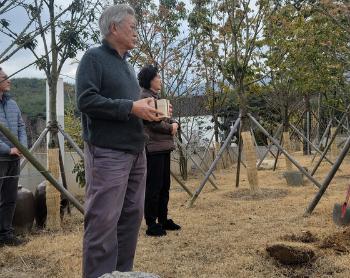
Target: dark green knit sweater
(106,87)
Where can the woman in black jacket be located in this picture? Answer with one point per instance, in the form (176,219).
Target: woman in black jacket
(159,145)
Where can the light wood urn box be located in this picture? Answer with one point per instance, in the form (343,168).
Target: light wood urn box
(163,105)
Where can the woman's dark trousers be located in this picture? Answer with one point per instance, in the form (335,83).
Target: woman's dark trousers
(157,187)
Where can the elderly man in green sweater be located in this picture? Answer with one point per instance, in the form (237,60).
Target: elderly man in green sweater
(108,96)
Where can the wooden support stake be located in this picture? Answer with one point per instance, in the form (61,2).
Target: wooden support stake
(181,184)
(329,178)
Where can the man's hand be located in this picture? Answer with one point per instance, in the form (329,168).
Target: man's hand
(15,151)
(144,109)
(175,128)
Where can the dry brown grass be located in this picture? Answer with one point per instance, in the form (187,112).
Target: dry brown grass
(224,235)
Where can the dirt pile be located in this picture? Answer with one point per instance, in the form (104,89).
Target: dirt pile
(339,242)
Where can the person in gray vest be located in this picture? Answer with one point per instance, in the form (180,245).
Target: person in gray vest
(108,96)
(10,117)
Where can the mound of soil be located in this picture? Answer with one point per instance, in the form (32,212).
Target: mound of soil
(304,237)
(261,194)
(339,242)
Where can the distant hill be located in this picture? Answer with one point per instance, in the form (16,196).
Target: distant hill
(29,93)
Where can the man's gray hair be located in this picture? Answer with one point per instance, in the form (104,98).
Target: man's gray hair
(113,14)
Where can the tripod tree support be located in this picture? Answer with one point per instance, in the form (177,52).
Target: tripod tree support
(334,147)
(71,142)
(64,181)
(330,142)
(322,138)
(311,144)
(40,168)
(270,146)
(202,159)
(273,140)
(213,165)
(278,152)
(207,148)
(329,178)
(35,146)
(194,161)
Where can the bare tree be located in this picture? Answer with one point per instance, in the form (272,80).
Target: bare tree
(24,38)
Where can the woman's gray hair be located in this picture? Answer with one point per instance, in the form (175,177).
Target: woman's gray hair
(113,14)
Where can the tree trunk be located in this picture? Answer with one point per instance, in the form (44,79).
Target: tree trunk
(182,160)
(319,122)
(53,136)
(286,137)
(53,196)
(216,128)
(307,125)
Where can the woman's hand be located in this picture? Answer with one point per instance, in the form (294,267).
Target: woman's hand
(175,128)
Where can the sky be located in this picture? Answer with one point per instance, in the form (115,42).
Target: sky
(18,19)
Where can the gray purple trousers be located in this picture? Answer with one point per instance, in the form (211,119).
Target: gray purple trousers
(115,191)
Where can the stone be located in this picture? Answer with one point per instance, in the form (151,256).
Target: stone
(267,165)
(291,253)
(294,178)
(117,274)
